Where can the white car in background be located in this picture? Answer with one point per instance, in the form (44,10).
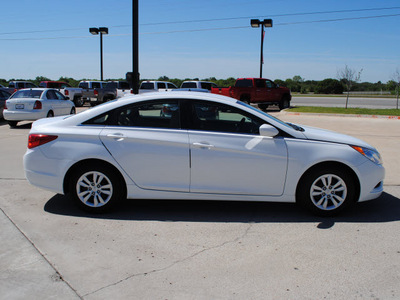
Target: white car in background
(209,147)
(156,86)
(34,104)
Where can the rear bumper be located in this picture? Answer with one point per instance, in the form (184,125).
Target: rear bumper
(23,115)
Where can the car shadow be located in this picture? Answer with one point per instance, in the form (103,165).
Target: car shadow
(384,209)
(23,126)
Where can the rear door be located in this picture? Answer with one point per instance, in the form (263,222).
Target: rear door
(260,90)
(52,103)
(65,105)
(147,141)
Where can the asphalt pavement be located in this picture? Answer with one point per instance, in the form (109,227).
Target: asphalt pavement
(200,250)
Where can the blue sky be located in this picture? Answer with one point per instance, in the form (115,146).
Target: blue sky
(188,39)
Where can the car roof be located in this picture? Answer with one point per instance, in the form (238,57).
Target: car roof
(37,89)
(78,119)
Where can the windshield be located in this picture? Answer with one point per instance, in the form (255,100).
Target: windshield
(27,94)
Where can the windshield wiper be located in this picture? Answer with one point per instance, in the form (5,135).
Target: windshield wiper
(295,127)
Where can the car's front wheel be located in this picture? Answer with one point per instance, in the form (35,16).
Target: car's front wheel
(327,191)
(96,188)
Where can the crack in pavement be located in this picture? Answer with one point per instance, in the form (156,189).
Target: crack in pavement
(174,263)
(57,275)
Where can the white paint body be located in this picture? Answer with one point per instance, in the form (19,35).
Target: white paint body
(194,164)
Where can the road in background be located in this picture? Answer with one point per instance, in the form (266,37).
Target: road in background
(375,103)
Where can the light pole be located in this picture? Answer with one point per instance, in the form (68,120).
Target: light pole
(255,23)
(134,77)
(95,31)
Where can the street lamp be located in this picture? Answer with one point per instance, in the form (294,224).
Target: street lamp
(95,31)
(255,23)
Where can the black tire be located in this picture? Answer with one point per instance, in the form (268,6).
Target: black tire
(96,188)
(12,124)
(73,111)
(79,102)
(263,106)
(50,114)
(285,103)
(326,191)
(245,99)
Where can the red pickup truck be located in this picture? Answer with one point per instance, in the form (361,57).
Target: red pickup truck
(263,92)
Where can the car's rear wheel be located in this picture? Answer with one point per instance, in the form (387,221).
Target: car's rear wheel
(285,103)
(79,102)
(12,124)
(96,188)
(327,191)
(263,106)
(50,114)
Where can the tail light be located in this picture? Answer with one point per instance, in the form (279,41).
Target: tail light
(96,92)
(66,92)
(132,91)
(37,105)
(36,140)
(5,105)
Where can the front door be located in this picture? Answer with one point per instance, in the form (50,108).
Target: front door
(228,156)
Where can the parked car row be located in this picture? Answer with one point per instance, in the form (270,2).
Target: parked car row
(36,103)
(260,91)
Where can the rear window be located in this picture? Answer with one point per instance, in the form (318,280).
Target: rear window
(189,85)
(161,85)
(111,85)
(244,83)
(83,85)
(124,86)
(206,85)
(27,94)
(147,86)
(54,85)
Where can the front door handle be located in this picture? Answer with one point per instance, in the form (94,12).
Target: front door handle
(117,136)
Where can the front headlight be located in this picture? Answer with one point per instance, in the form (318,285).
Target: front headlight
(369,153)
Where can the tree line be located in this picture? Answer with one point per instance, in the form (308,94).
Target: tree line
(297,84)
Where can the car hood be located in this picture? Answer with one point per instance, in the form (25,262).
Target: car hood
(318,134)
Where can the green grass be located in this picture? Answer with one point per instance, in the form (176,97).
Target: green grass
(342,110)
(343,95)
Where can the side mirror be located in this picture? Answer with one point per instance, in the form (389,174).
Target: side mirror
(268,130)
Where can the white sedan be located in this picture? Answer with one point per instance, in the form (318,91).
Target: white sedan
(209,147)
(36,103)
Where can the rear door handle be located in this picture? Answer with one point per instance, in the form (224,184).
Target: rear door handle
(203,145)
